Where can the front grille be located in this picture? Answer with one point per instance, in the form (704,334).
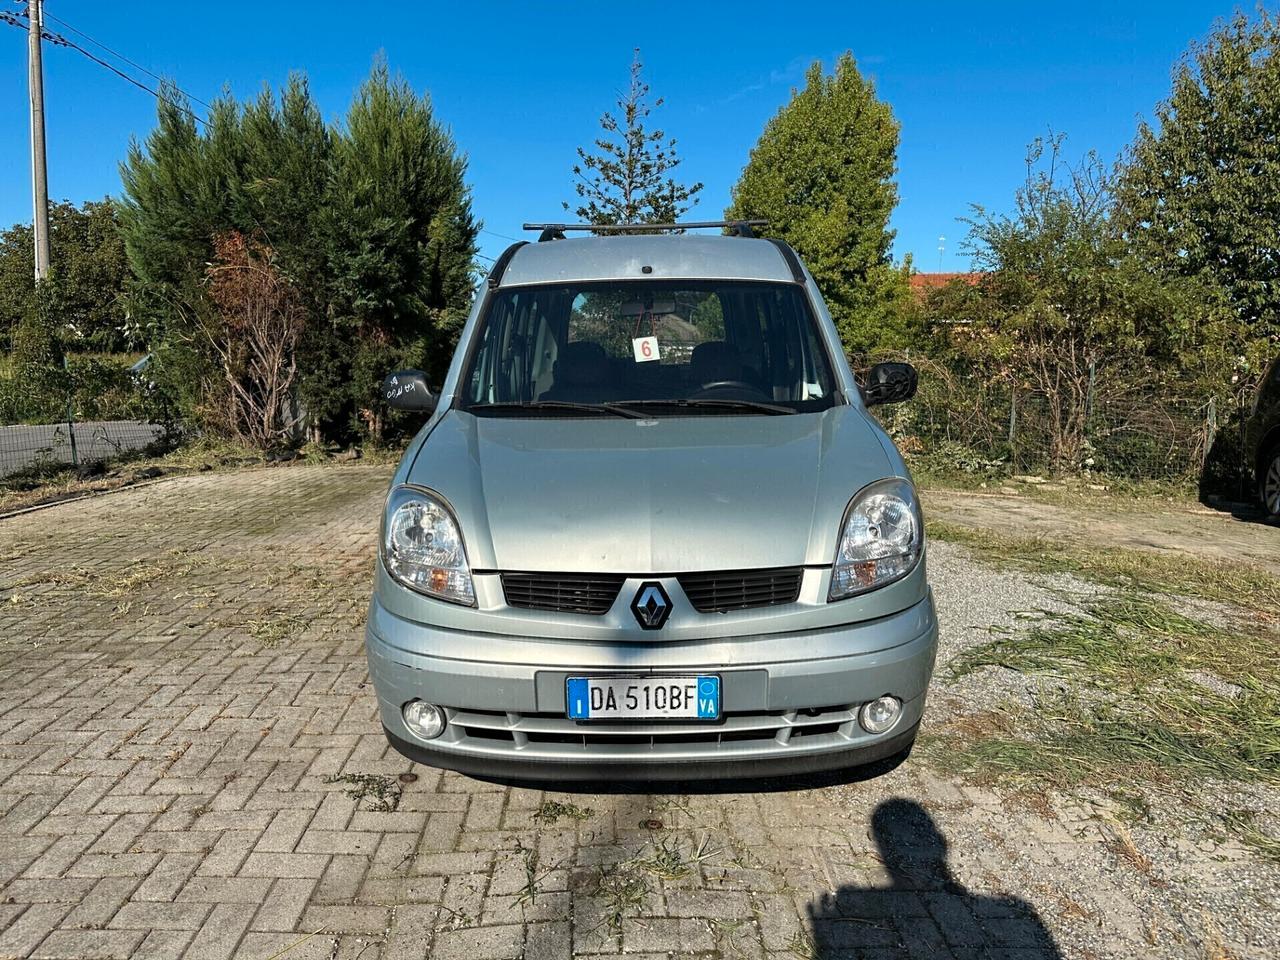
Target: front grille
(592,593)
(723,590)
(745,730)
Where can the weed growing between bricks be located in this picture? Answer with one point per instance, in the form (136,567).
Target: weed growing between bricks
(622,888)
(378,793)
(552,811)
(299,597)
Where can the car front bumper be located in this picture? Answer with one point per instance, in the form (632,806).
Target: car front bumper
(789,700)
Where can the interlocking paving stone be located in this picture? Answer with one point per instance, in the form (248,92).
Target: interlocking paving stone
(177,700)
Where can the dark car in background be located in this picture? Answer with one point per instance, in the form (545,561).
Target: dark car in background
(1262,438)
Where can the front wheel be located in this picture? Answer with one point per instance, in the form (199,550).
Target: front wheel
(1269,482)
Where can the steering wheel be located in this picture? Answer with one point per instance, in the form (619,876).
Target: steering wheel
(724,386)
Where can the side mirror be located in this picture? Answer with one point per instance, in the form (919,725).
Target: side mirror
(889,383)
(408,390)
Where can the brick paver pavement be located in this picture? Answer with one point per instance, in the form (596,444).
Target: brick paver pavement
(191,766)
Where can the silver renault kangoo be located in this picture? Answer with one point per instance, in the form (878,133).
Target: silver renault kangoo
(649,530)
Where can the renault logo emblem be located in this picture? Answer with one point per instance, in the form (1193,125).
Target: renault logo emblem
(651,606)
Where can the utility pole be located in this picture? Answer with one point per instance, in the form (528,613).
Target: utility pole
(39,172)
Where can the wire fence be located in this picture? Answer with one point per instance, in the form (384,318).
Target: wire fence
(965,425)
(43,448)
(955,424)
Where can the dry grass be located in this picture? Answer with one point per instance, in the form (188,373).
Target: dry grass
(1244,825)
(1145,693)
(1234,583)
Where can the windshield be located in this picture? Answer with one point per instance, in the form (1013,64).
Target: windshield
(668,348)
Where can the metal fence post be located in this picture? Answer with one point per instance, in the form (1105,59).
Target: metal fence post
(1013,427)
(1088,397)
(1211,425)
(71,422)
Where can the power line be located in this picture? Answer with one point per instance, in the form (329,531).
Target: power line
(494,233)
(61,41)
(122,57)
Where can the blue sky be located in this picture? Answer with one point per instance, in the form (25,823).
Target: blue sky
(522,84)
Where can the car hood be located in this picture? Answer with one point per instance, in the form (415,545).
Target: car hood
(660,496)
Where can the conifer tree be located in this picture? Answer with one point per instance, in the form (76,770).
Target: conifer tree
(628,179)
(369,222)
(822,175)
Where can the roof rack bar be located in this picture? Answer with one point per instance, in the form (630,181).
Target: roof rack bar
(556,231)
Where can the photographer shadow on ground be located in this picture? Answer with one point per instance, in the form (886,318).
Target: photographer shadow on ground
(926,912)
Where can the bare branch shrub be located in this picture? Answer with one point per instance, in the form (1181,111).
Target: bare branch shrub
(254,322)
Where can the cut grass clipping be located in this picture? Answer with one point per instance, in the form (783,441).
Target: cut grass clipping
(1153,694)
(1234,583)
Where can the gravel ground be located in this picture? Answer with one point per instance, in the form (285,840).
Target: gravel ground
(1195,886)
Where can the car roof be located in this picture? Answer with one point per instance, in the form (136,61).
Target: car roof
(669,256)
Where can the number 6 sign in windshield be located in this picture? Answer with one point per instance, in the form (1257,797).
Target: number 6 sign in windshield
(645,348)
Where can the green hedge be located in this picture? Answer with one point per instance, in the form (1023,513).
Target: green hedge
(98,388)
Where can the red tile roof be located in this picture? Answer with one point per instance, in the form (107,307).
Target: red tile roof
(922,283)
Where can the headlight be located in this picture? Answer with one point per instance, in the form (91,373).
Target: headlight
(880,541)
(422,546)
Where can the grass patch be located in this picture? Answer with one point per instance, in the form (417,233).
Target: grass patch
(1244,825)
(667,861)
(552,811)
(274,631)
(378,792)
(134,578)
(1238,584)
(1154,694)
(622,889)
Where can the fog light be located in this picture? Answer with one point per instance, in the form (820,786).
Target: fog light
(424,720)
(880,715)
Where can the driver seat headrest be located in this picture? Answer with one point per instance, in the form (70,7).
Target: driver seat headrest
(714,361)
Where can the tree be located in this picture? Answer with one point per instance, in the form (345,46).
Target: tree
(629,180)
(822,175)
(87,257)
(1063,308)
(1199,199)
(369,223)
(254,324)
(37,384)
(259,170)
(401,241)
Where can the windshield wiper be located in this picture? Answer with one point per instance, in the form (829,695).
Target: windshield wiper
(612,409)
(759,406)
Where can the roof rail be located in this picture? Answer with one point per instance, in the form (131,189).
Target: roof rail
(556,231)
(500,265)
(789,255)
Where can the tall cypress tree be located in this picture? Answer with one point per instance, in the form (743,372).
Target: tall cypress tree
(822,175)
(401,240)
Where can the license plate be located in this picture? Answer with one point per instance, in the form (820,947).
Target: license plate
(643,698)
